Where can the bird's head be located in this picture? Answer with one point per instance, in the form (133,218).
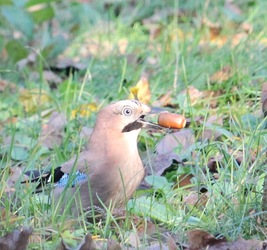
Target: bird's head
(127,116)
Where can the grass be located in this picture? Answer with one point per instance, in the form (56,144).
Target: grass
(181,55)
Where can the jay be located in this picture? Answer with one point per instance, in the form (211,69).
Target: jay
(110,169)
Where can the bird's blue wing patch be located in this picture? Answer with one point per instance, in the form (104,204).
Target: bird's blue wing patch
(71,180)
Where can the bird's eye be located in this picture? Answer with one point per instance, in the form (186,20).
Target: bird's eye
(127,111)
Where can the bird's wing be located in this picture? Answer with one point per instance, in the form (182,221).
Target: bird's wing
(43,178)
(75,169)
(78,163)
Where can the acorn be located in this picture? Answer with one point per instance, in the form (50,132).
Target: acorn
(170,120)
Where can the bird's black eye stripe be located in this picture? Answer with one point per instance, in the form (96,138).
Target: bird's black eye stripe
(127,111)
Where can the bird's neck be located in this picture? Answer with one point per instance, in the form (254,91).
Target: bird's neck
(114,144)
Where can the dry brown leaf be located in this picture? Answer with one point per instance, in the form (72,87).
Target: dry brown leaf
(35,239)
(8,218)
(164,100)
(184,180)
(34,99)
(247,27)
(216,37)
(264,98)
(214,162)
(29,60)
(85,110)
(63,246)
(264,200)
(182,139)
(165,155)
(194,94)
(155,26)
(14,176)
(6,85)
(232,7)
(222,75)
(16,240)
(113,245)
(51,134)
(171,243)
(201,240)
(238,38)
(87,243)
(264,110)
(212,134)
(212,97)
(155,246)
(141,91)
(196,199)
(94,45)
(47,75)
(214,32)
(133,239)
(144,226)
(161,162)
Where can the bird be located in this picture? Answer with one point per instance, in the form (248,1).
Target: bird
(110,169)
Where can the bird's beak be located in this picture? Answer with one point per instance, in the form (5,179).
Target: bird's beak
(148,124)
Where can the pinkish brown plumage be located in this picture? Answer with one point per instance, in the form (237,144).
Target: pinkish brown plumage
(110,169)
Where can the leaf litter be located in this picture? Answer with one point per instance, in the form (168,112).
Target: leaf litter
(176,148)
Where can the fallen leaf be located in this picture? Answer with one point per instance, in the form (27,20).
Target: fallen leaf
(47,75)
(34,99)
(214,162)
(222,75)
(171,243)
(162,162)
(214,31)
(247,27)
(6,85)
(141,91)
(15,174)
(132,238)
(211,97)
(182,140)
(184,180)
(157,246)
(164,100)
(87,243)
(85,110)
(201,240)
(230,6)
(155,26)
(16,240)
(264,98)
(29,60)
(193,93)
(51,134)
(8,218)
(264,200)
(113,245)
(145,227)
(212,133)
(35,238)
(196,199)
